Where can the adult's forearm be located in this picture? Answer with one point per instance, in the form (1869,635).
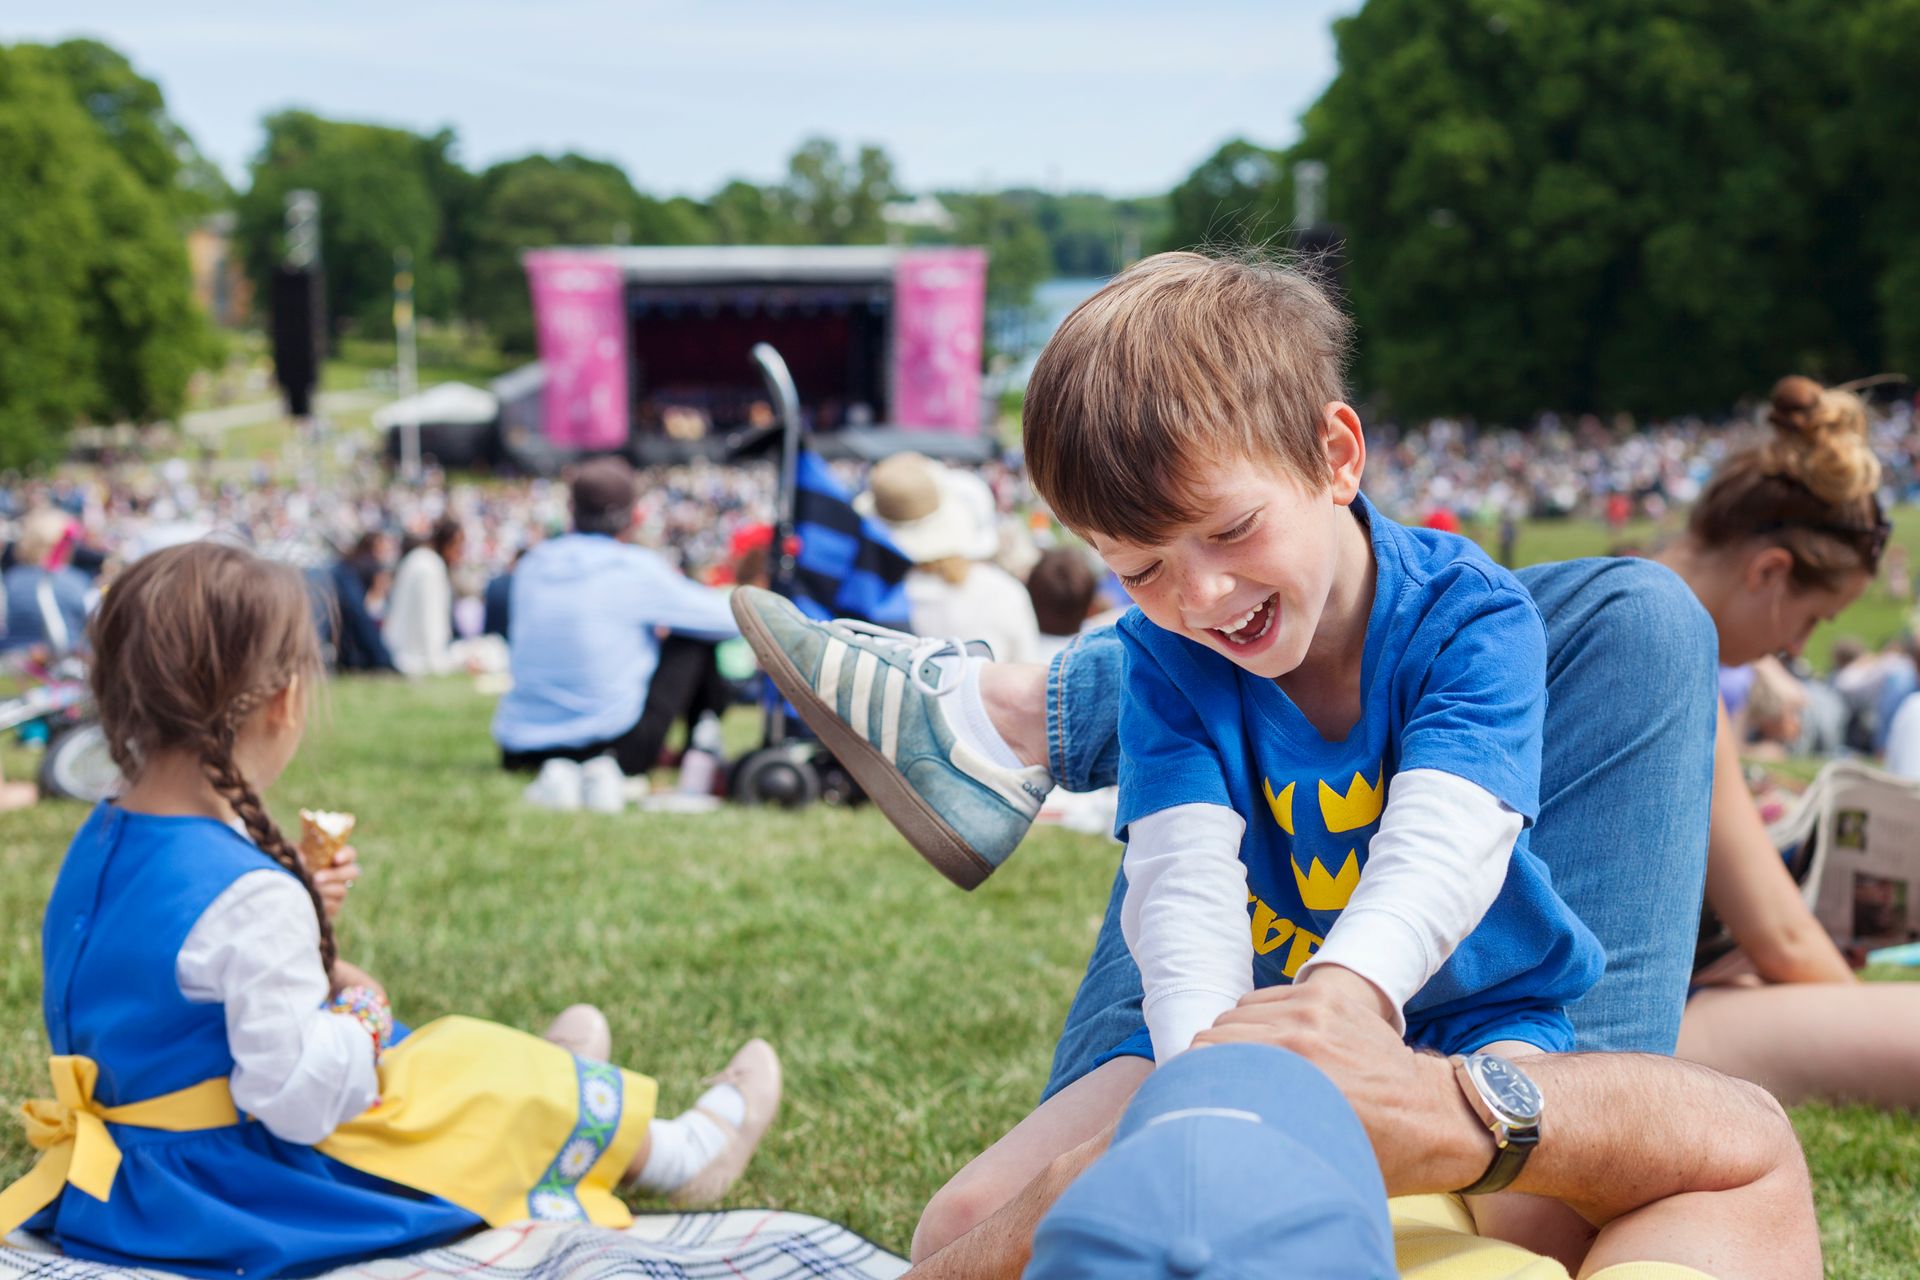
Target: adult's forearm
(1801,952)
(1674,1162)
(1693,1130)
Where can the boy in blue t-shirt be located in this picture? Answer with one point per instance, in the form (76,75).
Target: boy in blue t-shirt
(1330,744)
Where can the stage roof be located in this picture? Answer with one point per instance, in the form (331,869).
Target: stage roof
(737,263)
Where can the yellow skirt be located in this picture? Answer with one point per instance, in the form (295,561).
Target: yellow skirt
(501,1123)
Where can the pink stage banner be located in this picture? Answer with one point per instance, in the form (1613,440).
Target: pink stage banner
(579,313)
(939,323)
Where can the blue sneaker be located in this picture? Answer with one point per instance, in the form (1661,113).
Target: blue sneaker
(873,696)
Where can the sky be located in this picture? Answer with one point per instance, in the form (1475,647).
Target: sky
(1117,96)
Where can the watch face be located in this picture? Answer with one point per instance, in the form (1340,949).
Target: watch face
(1507,1089)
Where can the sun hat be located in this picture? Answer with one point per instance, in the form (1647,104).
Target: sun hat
(1233,1162)
(931,512)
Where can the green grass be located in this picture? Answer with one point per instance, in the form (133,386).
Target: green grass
(442,357)
(916,1022)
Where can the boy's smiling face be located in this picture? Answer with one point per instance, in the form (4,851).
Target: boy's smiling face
(1252,578)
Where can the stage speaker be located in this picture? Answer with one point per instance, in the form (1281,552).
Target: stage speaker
(299,334)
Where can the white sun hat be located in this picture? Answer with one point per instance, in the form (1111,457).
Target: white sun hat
(930,511)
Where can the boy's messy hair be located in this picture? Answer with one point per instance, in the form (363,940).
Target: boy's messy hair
(1184,358)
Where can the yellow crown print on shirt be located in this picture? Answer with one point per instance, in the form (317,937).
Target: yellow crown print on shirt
(1282,804)
(1358,808)
(1322,892)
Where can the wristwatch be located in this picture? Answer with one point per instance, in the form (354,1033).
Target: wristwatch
(1509,1104)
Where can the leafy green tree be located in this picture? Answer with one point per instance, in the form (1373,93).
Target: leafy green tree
(96,313)
(1866,160)
(538,201)
(1090,234)
(132,115)
(380,189)
(678,220)
(1575,206)
(1018,258)
(1238,195)
(829,199)
(46,377)
(741,213)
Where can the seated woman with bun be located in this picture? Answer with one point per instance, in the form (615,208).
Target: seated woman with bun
(1784,537)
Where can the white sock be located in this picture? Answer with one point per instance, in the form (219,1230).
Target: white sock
(972,725)
(683,1146)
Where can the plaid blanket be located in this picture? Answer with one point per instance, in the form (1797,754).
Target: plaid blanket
(738,1244)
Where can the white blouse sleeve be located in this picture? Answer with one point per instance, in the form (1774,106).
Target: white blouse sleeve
(1185,920)
(256,950)
(1437,863)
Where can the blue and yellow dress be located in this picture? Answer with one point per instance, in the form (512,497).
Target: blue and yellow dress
(145,1161)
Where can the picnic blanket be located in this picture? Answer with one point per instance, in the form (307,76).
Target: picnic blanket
(737,1244)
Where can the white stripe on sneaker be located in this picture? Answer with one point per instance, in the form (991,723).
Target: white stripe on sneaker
(890,713)
(858,710)
(827,684)
(1023,789)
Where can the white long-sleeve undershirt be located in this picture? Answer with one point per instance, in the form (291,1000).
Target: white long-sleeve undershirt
(1433,869)
(256,950)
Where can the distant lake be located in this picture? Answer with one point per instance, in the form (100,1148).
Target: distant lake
(1051,303)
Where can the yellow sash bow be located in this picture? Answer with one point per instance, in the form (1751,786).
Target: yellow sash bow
(70,1131)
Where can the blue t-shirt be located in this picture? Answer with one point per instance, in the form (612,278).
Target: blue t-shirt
(1453,677)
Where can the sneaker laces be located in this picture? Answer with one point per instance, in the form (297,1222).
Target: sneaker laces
(920,653)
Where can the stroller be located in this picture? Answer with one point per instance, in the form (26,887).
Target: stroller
(51,706)
(790,768)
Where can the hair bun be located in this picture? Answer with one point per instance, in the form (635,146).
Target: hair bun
(1822,440)
(1795,398)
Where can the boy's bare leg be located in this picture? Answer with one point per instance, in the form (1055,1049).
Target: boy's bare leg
(1001,1247)
(1015,696)
(1083,1111)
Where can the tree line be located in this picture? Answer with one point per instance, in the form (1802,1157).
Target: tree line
(1650,205)
(380,187)
(97,321)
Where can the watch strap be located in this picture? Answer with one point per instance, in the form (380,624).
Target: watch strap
(1512,1146)
(1508,1159)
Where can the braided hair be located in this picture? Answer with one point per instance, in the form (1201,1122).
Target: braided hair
(189,643)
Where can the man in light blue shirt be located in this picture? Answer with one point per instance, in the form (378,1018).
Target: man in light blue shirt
(592,674)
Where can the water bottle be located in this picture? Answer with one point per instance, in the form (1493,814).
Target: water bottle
(701,760)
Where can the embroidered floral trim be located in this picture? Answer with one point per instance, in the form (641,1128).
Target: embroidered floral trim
(554,1198)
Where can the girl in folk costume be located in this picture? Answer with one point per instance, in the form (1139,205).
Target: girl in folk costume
(227,1102)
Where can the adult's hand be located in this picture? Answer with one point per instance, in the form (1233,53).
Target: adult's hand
(334,881)
(1424,1134)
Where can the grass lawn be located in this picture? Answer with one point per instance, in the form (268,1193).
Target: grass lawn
(916,1021)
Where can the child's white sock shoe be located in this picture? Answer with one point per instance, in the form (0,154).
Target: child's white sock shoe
(967,712)
(686,1144)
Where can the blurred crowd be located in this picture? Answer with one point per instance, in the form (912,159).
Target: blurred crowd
(1586,466)
(413,572)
